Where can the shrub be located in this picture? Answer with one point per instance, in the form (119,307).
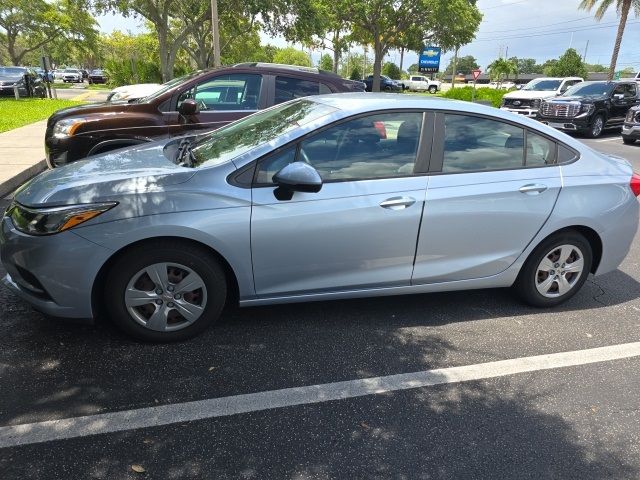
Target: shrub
(483,93)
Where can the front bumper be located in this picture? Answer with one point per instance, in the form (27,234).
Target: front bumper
(631,131)
(54,273)
(567,124)
(527,112)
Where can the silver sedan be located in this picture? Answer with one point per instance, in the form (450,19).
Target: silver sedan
(320,198)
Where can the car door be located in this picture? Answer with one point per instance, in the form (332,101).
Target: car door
(222,99)
(360,229)
(619,105)
(288,87)
(484,204)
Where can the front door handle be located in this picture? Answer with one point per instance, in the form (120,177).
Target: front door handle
(533,188)
(398,203)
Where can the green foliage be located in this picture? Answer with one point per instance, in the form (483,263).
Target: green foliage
(17,113)
(526,65)
(488,94)
(326,62)
(569,64)
(131,58)
(464,65)
(594,67)
(391,70)
(502,68)
(292,56)
(356,73)
(413,68)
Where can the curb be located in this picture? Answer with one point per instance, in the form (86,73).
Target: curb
(14,182)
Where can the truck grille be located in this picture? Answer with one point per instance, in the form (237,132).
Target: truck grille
(564,109)
(522,103)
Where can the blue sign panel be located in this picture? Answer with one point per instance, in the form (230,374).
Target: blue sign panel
(429,61)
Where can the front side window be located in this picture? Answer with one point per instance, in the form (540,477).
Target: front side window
(288,88)
(376,146)
(226,92)
(473,144)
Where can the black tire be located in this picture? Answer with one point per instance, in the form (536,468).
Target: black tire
(387,88)
(629,141)
(433,89)
(194,257)
(593,131)
(525,285)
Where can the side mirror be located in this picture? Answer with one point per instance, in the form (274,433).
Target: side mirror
(296,177)
(188,107)
(618,96)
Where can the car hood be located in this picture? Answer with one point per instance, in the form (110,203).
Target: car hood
(91,108)
(10,78)
(527,94)
(104,177)
(577,98)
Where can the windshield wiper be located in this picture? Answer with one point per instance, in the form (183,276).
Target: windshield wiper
(184,155)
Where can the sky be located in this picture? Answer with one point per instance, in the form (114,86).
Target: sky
(539,29)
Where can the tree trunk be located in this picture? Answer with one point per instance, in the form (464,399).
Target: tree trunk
(623,20)
(163,50)
(215,27)
(453,71)
(378,53)
(336,50)
(401,57)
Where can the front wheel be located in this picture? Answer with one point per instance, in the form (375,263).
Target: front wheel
(555,270)
(597,125)
(165,291)
(433,89)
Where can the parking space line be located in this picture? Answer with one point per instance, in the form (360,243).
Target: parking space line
(608,139)
(67,428)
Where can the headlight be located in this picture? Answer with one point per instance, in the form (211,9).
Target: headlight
(67,127)
(587,108)
(637,117)
(47,221)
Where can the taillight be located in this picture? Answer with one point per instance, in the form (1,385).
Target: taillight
(382,130)
(635,184)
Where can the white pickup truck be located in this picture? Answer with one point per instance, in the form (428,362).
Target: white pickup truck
(527,100)
(420,83)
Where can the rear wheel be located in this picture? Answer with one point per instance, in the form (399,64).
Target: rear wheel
(555,270)
(165,291)
(433,89)
(629,141)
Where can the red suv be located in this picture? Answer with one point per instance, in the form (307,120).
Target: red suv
(203,100)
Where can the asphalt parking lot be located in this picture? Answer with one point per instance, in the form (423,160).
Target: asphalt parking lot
(577,416)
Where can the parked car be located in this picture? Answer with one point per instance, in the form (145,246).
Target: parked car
(72,75)
(590,107)
(27,80)
(58,74)
(527,100)
(386,84)
(133,92)
(631,126)
(98,76)
(420,83)
(324,197)
(220,96)
(507,85)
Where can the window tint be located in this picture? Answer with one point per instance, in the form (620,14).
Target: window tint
(630,90)
(474,144)
(288,88)
(540,151)
(565,155)
(226,92)
(274,164)
(376,146)
(619,89)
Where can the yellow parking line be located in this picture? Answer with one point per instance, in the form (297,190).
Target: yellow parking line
(82,96)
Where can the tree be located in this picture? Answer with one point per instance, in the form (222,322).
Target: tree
(391,70)
(355,74)
(596,68)
(464,65)
(622,8)
(31,25)
(501,68)
(292,56)
(527,65)
(413,68)
(384,25)
(326,62)
(568,65)
(333,26)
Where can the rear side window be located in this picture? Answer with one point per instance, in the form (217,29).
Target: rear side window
(288,88)
(630,90)
(540,150)
(565,155)
(473,144)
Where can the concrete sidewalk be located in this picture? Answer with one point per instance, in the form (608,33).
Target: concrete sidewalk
(21,155)
(22,149)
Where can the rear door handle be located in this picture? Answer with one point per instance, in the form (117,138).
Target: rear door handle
(398,203)
(533,188)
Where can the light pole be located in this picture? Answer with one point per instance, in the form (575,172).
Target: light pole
(215,31)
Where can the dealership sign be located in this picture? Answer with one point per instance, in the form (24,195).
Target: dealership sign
(429,61)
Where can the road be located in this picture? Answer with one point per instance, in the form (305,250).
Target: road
(576,418)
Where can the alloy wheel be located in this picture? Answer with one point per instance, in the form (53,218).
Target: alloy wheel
(596,128)
(559,271)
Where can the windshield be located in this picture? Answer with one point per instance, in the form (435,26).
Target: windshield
(585,89)
(239,137)
(543,85)
(167,86)
(11,71)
